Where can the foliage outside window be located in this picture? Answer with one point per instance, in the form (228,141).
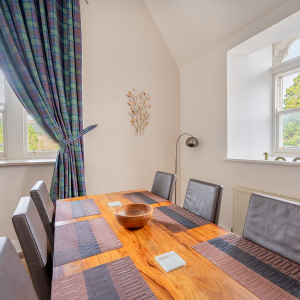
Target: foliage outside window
(287,104)
(37,140)
(290,117)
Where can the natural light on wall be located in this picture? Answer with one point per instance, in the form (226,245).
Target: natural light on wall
(263,95)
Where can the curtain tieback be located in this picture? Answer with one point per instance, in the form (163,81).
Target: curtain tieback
(64,143)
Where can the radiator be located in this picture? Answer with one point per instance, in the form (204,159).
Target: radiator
(241,198)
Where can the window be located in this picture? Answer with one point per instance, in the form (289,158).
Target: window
(293,51)
(287,108)
(20,136)
(36,142)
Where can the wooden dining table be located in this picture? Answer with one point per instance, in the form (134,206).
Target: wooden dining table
(198,279)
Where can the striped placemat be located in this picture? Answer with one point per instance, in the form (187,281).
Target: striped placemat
(266,274)
(76,209)
(144,197)
(177,219)
(83,239)
(119,279)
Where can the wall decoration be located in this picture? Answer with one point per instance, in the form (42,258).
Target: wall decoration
(139,111)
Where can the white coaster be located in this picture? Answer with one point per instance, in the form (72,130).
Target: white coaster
(113,204)
(170,261)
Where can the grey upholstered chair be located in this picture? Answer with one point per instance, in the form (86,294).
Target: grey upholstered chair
(274,224)
(163,185)
(41,198)
(14,281)
(35,246)
(204,199)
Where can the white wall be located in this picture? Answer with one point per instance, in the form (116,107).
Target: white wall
(203,113)
(249,104)
(16,182)
(123,49)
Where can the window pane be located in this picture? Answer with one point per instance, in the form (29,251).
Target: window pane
(294,50)
(291,91)
(291,130)
(37,140)
(1,132)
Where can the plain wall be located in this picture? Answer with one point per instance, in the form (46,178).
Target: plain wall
(249,104)
(203,92)
(16,182)
(123,49)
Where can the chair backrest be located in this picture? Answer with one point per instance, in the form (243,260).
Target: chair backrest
(41,198)
(14,281)
(204,199)
(35,246)
(274,224)
(164,184)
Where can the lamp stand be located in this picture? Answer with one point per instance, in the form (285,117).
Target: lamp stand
(176,165)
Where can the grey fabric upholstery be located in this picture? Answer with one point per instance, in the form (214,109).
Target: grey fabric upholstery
(163,185)
(41,198)
(204,199)
(274,224)
(35,245)
(14,281)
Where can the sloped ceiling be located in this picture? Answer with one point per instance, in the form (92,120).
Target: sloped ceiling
(193,27)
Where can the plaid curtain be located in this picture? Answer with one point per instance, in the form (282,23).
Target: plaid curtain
(41,58)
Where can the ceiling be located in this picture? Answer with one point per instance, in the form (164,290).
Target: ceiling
(193,27)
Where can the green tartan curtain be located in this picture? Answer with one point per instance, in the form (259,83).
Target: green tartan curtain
(41,58)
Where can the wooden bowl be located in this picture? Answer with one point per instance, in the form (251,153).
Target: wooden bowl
(134,215)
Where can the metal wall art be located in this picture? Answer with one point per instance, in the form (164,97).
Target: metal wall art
(139,111)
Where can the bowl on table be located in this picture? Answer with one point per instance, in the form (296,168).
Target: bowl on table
(134,215)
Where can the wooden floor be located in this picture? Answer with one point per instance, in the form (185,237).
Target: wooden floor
(24,262)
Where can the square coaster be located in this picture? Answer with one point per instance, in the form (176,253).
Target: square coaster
(114,204)
(170,261)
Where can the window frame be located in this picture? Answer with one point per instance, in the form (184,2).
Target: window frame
(284,69)
(32,154)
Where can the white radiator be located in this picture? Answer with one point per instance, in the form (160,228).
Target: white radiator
(241,198)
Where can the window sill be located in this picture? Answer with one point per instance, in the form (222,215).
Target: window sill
(289,161)
(24,162)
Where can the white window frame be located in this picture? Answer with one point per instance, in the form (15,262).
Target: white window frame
(32,154)
(279,71)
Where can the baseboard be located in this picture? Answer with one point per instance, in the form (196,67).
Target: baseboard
(225,227)
(16,245)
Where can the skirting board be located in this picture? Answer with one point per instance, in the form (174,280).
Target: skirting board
(225,227)
(16,245)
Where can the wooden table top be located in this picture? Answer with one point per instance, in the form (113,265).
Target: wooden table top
(198,279)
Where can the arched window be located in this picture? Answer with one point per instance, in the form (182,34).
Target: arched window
(293,51)
(286,49)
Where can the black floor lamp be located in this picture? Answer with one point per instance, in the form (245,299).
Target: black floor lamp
(191,142)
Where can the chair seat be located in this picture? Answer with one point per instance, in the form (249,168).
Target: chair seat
(274,224)
(163,185)
(204,199)
(14,281)
(35,246)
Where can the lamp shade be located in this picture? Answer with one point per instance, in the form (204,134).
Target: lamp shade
(191,142)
